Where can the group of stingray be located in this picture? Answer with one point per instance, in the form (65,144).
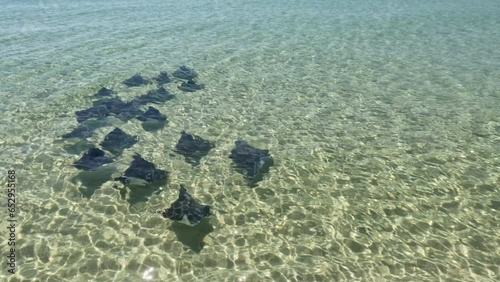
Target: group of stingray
(252,162)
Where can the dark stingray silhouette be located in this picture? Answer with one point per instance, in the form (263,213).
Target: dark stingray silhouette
(106,107)
(76,141)
(136,80)
(143,171)
(184,72)
(82,131)
(117,140)
(152,120)
(162,78)
(190,86)
(186,209)
(96,111)
(193,147)
(120,109)
(143,179)
(92,159)
(157,96)
(191,223)
(251,162)
(152,113)
(104,92)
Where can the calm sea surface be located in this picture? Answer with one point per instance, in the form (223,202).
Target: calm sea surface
(382,117)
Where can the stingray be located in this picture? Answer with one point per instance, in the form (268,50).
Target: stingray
(143,172)
(152,113)
(82,131)
(184,72)
(190,86)
(193,148)
(162,78)
(251,162)
(86,129)
(105,107)
(136,80)
(157,96)
(186,209)
(115,105)
(92,159)
(104,92)
(96,111)
(152,120)
(117,140)
(122,110)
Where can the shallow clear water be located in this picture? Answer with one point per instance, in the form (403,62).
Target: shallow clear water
(382,117)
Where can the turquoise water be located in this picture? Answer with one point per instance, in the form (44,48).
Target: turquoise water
(382,117)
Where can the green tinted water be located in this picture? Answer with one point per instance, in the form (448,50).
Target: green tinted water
(382,118)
